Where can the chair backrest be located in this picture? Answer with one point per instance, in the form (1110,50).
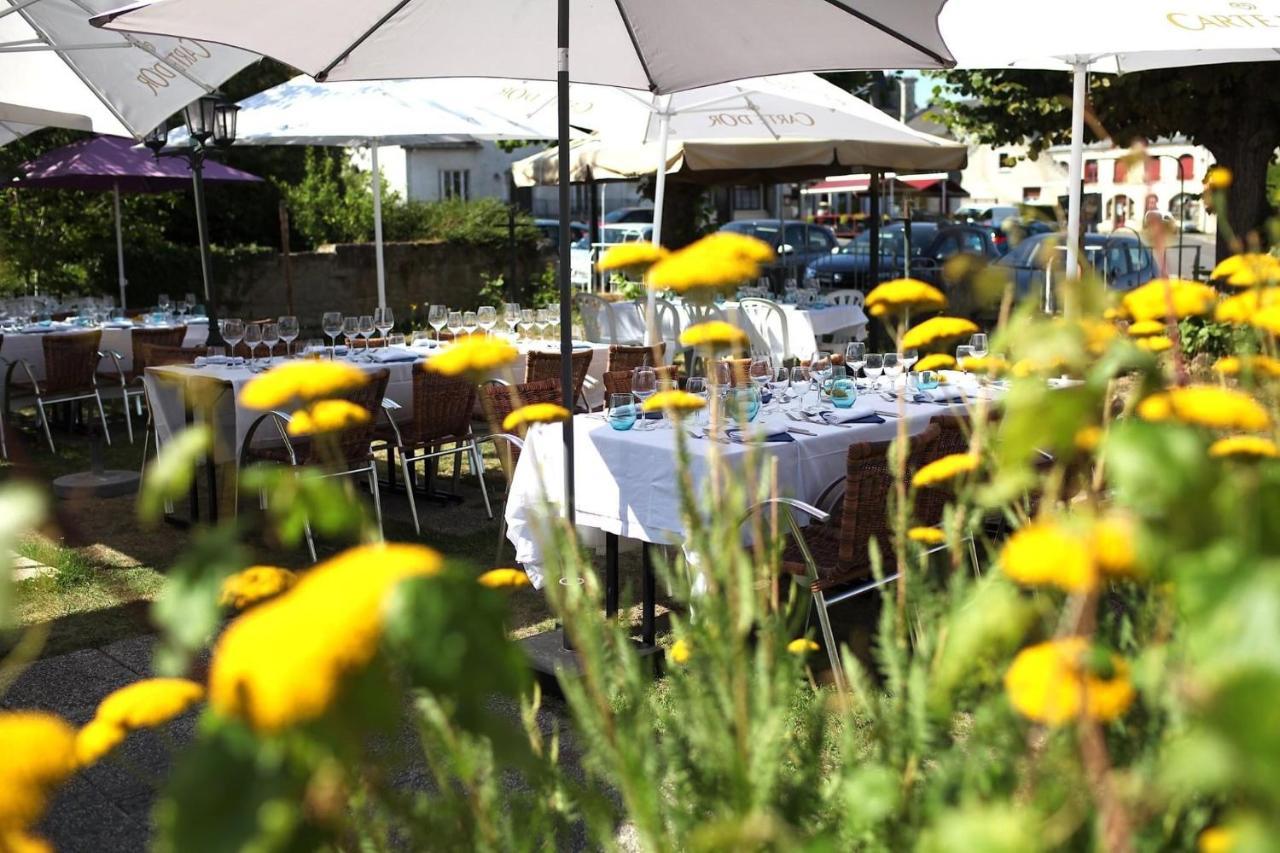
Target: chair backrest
(546,365)
(847,296)
(157,355)
(623,357)
(70,361)
(442,406)
(501,400)
(597,318)
(145,337)
(619,381)
(766,324)
(668,320)
(353,444)
(866,511)
(699,313)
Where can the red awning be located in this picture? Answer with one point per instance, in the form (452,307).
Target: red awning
(842,185)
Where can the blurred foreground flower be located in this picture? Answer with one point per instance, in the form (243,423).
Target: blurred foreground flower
(633,258)
(1146,328)
(141,705)
(680,651)
(945,469)
(713,334)
(255,584)
(535,413)
(1247,269)
(716,262)
(936,361)
(937,330)
(926,535)
(1053,683)
(675,401)
(326,416)
(1152,300)
(1207,406)
(802,646)
(38,752)
(1218,178)
(1259,365)
(1154,343)
(504,579)
(476,356)
(299,382)
(1242,307)
(1248,446)
(904,294)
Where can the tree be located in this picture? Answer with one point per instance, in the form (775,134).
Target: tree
(1232,110)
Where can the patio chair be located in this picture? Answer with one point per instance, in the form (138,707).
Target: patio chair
(832,555)
(624,357)
(766,322)
(668,320)
(598,323)
(846,296)
(71,375)
(698,314)
(546,365)
(442,411)
(164,356)
(343,453)
(140,341)
(619,381)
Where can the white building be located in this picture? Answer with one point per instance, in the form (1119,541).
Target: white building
(1121,185)
(461,168)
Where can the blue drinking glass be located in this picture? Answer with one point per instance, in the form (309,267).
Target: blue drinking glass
(926,380)
(843,392)
(746,401)
(622,412)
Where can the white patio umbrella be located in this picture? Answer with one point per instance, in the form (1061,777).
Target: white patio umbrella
(17,121)
(1113,38)
(659,46)
(369,114)
(51,58)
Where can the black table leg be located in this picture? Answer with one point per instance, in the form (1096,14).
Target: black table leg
(610,575)
(194,497)
(648,597)
(212,480)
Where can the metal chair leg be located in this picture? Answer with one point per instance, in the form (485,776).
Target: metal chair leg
(311,542)
(128,418)
(44,422)
(973,557)
(377,499)
(4,440)
(829,640)
(408,488)
(102,414)
(477,464)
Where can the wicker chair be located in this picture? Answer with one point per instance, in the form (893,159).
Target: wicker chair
(442,411)
(546,365)
(833,556)
(71,375)
(342,453)
(619,381)
(622,357)
(162,356)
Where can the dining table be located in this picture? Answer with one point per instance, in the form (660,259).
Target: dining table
(26,343)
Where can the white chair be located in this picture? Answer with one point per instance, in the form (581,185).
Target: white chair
(668,325)
(766,324)
(698,313)
(597,318)
(847,296)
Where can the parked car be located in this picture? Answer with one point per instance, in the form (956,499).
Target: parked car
(796,243)
(629,214)
(1121,259)
(988,215)
(549,232)
(583,255)
(932,244)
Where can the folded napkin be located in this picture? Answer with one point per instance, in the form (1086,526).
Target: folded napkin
(38,328)
(118,324)
(392,355)
(219,360)
(771,430)
(863,407)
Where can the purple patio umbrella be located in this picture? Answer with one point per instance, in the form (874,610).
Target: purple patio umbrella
(118,165)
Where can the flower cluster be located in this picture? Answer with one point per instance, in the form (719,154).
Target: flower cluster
(1057,682)
(904,294)
(255,584)
(142,705)
(719,261)
(297,382)
(473,356)
(1072,556)
(39,755)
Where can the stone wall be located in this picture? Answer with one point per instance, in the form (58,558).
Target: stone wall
(344,278)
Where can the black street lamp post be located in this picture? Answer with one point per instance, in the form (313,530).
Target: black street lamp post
(210,120)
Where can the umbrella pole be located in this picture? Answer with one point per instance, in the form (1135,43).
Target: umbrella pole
(1075,171)
(115,193)
(377,223)
(659,193)
(566,285)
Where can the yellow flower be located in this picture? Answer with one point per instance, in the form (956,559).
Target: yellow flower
(535,413)
(680,652)
(326,416)
(937,330)
(802,646)
(944,469)
(991,365)
(150,702)
(285,661)
(927,535)
(476,356)
(735,245)
(504,578)
(936,361)
(674,401)
(38,752)
(255,584)
(18,841)
(1112,545)
(1258,365)
(1217,839)
(712,334)
(1112,314)
(1246,446)
(1267,319)
(1207,406)
(1050,683)
(1151,301)
(1097,335)
(717,261)
(300,381)
(902,294)
(1217,178)
(97,739)
(1087,438)
(1242,307)
(1146,327)
(1155,343)
(1045,553)
(635,257)
(1248,269)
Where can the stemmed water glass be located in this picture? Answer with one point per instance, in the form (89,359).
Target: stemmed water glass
(511,316)
(232,333)
(909,358)
(271,337)
(332,326)
(252,339)
(760,371)
(855,356)
(892,368)
(820,369)
(487,317)
(780,386)
(697,386)
(553,320)
(350,331)
(437,318)
(190,301)
(470,321)
(527,317)
(800,379)
(289,332)
(384,319)
(873,367)
(644,384)
(978,343)
(964,352)
(454,323)
(367,331)
(163,303)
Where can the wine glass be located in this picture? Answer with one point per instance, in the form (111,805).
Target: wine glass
(527,316)
(271,337)
(289,332)
(437,318)
(800,379)
(820,369)
(644,384)
(454,323)
(855,356)
(909,358)
(760,371)
(232,332)
(873,367)
(697,386)
(385,320)
(540,321)
(553,320)
(367,331)
(892,368)
(470,321)
(964,352)
(252,339)
(780,386)
(163,303)
(189,300)
(487,317)
(350,331)
(511,316)
(332,326)
(979,344)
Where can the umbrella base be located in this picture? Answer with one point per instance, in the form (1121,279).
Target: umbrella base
(549,659)
(96,484)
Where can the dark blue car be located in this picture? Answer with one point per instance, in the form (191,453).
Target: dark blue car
(932,243)
(1121,259)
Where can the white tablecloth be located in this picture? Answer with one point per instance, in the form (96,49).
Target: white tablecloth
(29,346)
(804,325)
(625,482)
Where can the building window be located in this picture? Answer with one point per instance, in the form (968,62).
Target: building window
(1120,171)
(1186,167)
(1030,193)
(455,183)
(747,198)
(1007,162)
(1153,170)
(1090,171)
